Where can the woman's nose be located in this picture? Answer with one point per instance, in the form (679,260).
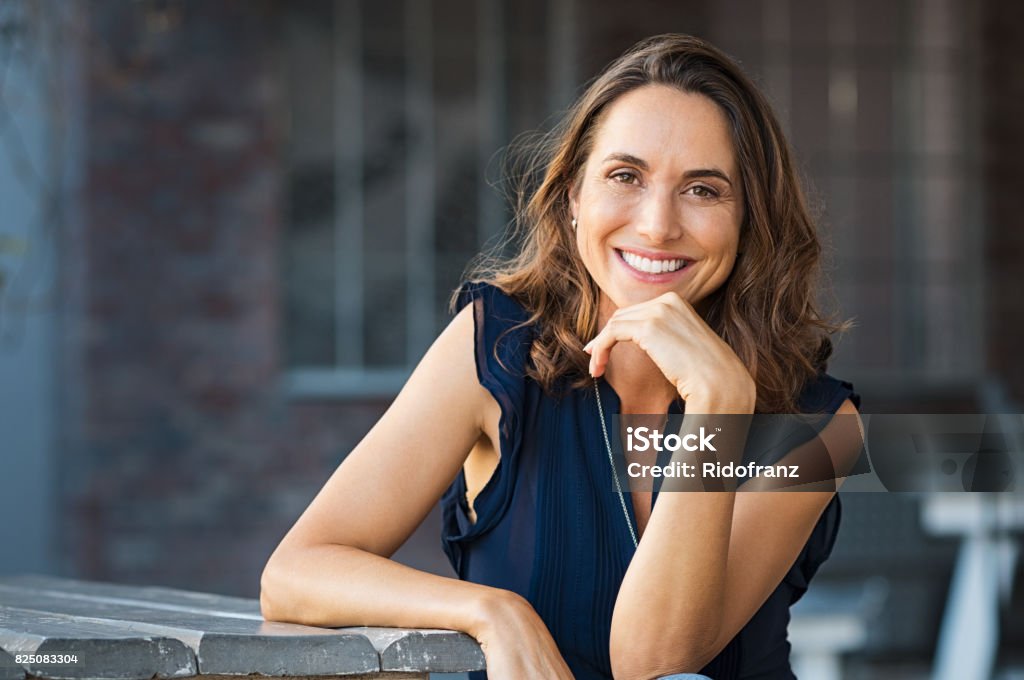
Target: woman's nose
(659,220)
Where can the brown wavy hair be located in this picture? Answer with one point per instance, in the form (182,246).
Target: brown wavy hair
(765,310)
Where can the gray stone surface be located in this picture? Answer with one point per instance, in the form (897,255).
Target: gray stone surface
(360,676)
(437,651)
(222,643)
(104,651)
(8,669)
(166,597)
(216,635)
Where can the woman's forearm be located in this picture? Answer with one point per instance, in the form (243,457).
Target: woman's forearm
(669,605)
(336,585)
(668,609)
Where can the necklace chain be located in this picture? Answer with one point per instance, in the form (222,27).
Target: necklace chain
(611,461)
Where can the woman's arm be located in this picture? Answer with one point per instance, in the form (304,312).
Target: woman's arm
(706,561)
(333,567)
(708,582)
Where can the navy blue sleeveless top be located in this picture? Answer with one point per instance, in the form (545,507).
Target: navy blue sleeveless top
(548,528)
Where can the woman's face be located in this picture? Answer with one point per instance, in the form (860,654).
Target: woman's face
(659,202)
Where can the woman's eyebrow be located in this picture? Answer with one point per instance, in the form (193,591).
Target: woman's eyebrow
(627,158)
(689,174)
(708,172)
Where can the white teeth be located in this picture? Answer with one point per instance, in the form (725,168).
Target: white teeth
(649,266)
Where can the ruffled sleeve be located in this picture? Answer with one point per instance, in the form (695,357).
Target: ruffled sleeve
(824,394)
(502,344)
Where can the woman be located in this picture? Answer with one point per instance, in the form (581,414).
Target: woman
(667,259)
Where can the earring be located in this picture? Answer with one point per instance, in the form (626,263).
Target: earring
(574,224)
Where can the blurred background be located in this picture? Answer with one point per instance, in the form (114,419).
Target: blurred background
(230,228)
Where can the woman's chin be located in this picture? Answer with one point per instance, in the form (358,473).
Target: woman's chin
(630,297)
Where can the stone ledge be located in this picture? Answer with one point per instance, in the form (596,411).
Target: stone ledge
(137,633)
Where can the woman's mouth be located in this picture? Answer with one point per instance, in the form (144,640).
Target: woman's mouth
(648,268)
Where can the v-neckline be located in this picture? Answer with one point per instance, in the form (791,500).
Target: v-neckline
(610,396)
(608,393)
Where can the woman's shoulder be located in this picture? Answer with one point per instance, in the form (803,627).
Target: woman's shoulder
(825,393)
(503,337)
(494,302)
(503,324)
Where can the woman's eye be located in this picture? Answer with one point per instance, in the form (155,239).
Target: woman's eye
(624,177)
(702,191)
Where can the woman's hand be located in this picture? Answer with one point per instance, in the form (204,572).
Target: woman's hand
(516,643)
(686,350)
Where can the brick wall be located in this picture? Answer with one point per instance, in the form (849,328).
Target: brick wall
(183,462)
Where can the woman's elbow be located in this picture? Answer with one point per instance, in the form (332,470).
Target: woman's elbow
(641,667)
(266,609)
(652,656)
(275,599)
(269,606)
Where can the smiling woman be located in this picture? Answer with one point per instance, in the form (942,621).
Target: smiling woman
(669,199)
(667,262)
(672,117)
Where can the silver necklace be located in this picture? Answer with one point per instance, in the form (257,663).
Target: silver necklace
(611,461)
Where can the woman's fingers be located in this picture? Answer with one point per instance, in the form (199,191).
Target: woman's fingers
(519,659)
(615,331)
(520,646)
(669,330)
